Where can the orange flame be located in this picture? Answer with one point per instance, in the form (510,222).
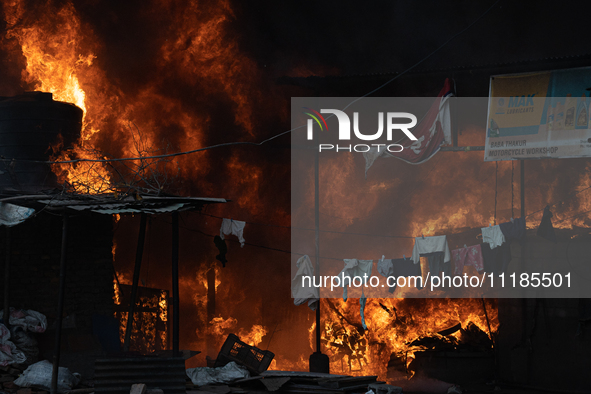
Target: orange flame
(253,337)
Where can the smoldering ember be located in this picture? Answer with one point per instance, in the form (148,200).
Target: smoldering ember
(160,201)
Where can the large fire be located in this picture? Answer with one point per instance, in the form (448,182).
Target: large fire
(62,55)
(393,326)
(395,329)
(57,63)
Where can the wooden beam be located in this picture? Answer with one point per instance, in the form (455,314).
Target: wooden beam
(175,283)
(60,306)
(6,316)
(136,278)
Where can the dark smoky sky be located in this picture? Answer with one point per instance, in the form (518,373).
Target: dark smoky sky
(347,37)
(384,36)
(352,37)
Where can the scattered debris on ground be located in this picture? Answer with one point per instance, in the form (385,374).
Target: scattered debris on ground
(298,383)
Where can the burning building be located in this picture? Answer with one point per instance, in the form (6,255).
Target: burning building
(155,80)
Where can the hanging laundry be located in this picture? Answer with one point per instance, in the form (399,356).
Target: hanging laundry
(513,231)
(385,267)
(493,235)
(496,260)
(354,268)
(362,301)
(399,267)
(424,245)
(234,227)
(497,255)
(437,263)
(500,257)
(222,248)
(300,293)
(436,250)
(546,230)
(468,256)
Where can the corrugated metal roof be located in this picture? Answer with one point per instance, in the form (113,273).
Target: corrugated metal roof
(111,209)
(109,204)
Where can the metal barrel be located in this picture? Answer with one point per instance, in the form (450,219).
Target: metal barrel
(30,125)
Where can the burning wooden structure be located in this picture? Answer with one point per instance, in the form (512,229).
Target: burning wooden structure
(150,324)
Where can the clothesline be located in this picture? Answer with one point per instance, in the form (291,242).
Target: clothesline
(251,244)
(372,235)
(570,217)
(311,229)
(410,237)
(233,240)
(558,202)
(262,246)
(275,249)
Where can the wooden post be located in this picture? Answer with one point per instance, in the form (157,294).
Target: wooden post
(136,278)
(60,307)
(318,362)
(522,188)
(522,191)
(175,283)
(7,251)
(524,302)
(454,120)
(211,350)
(211,293)
(317,224)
